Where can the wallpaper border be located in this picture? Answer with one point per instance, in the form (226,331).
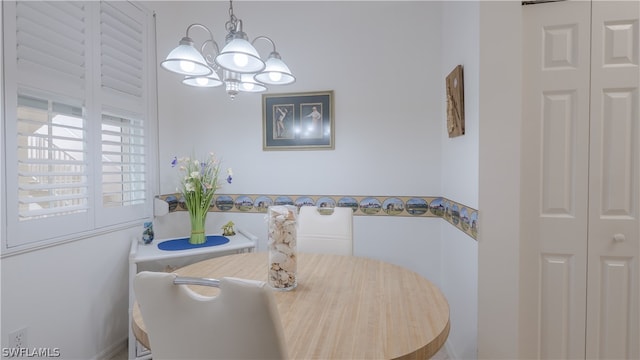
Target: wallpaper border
(459,215)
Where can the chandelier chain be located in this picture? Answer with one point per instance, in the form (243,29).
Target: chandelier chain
(232,24)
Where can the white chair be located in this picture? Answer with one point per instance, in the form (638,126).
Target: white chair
(325,234)
(241,322)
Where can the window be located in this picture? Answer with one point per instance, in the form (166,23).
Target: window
(52,176)
(79,118)
(123,162)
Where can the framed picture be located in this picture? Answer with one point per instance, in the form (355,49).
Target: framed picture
(455,102)
(298,121)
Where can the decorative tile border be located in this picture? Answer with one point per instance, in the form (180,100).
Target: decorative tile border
(461,216)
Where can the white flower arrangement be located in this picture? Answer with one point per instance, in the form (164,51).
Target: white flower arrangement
(199,182)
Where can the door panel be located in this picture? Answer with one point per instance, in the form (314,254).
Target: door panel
(613,275)
(557,274)
(616,133)
(581,180)
(555,146)
(559,121)
(615,308)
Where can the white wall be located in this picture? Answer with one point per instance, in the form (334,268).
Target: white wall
(387,104)
(499,178)
(3,191)
(460,46)
(390,137)
(386,79)
(72,296)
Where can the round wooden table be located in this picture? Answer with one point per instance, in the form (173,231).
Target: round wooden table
(344,307)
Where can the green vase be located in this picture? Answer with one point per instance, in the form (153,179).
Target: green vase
(198,235)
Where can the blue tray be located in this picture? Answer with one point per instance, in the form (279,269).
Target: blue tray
(183,244)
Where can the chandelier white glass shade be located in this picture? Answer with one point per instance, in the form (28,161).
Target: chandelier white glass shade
(240,56)
(186,60)
(276,72)
(211,80)
(249,84)
(238,66)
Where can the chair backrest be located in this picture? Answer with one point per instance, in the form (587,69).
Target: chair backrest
(325,234)
(241,322)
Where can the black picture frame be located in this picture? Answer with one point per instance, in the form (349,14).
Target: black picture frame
(298,121)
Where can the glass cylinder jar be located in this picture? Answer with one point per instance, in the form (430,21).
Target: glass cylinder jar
(283,224)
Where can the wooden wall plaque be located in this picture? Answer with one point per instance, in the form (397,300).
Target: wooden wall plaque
(455,102)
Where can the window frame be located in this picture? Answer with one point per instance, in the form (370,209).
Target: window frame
(62,229)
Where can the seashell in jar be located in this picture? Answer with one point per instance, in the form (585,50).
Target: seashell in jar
(289,265)
(277,257)
(285,249)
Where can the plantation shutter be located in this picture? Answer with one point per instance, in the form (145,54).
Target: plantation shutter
(51,174)
(76,113)
(123,162)
(123,69)
(52,45)
(52,159)
(122,55)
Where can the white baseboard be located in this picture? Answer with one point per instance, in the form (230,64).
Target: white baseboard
(113,350)
(451,352)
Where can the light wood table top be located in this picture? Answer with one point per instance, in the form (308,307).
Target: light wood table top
(344,307)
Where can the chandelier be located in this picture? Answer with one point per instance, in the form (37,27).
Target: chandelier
(238,66)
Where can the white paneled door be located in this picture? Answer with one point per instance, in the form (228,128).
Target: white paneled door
(581,180)
(614,172)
